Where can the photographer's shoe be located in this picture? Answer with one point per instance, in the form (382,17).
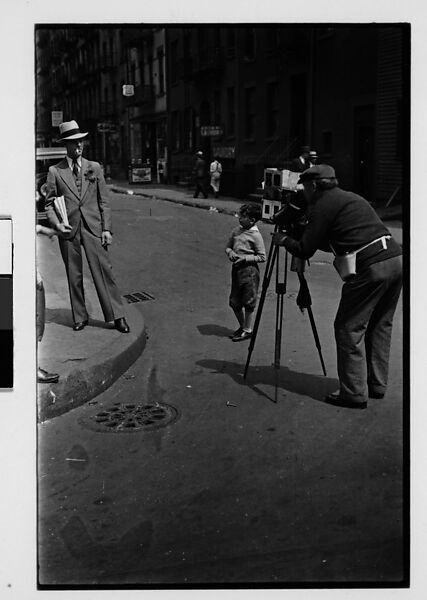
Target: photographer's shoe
(335,400)
(237,332)
(375,395)
(241,337)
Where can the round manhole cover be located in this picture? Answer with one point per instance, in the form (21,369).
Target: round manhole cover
(125,418)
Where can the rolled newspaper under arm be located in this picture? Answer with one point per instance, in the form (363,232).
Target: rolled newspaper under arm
(61,210)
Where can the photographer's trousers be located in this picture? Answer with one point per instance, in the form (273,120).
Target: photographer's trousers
(363,327)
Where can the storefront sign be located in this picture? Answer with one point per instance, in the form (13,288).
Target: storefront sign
(140,175)
(128,90)
(224,151)
(106,128)
(57,118)
(210,130)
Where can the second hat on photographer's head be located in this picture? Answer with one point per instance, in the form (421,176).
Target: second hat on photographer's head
(317,172)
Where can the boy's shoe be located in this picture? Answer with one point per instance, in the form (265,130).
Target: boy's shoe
(241,337)
(237,332)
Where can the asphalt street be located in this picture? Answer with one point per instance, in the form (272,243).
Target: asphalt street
(235,488)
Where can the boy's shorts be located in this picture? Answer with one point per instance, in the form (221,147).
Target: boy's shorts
(244,287)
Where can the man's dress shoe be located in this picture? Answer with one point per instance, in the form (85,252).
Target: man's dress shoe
(121,325)
(45,377)
(79,326)
(336,400)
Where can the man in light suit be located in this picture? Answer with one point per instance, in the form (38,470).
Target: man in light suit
(82,184)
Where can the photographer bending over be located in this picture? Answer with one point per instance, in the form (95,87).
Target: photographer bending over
(343,222)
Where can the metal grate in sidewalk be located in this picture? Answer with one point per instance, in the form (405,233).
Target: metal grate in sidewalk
(138,297)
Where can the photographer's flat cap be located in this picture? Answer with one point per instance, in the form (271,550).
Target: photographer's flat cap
(317,172)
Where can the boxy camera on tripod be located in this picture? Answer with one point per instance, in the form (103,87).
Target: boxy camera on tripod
(292,215)
(284,203)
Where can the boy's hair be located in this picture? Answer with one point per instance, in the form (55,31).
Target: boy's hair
(253,211)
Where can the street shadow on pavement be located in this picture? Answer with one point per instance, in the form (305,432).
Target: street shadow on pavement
(60,316)
(216,330)
(96,560)
(303,384)
(63,316)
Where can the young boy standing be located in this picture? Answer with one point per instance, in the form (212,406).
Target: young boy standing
(245,249)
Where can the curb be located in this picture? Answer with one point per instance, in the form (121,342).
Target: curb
(120,190)
(385,214)
(98,373)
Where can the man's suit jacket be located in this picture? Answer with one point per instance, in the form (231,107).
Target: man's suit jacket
(199,168)
(92,203)
(298,166)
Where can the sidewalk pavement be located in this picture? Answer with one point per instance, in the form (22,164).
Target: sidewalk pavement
(89,361)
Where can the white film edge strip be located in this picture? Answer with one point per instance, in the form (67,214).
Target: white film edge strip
(5,246)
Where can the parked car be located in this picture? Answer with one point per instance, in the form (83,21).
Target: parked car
(45,157)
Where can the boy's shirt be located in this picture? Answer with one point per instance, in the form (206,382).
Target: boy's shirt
(247,243)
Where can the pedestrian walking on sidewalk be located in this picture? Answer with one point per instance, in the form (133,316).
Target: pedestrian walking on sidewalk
(82,185)
(301,162)
(215,171)
(245,249)
(313,158)
(42,375)
(343,222)
(200,175)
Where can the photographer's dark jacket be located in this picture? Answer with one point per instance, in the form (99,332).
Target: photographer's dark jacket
(347,222)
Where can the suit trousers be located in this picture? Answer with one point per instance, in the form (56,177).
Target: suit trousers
(101,271)
(40,309)
(363,327)
(200,187)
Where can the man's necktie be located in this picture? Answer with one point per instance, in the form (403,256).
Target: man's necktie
(76,176)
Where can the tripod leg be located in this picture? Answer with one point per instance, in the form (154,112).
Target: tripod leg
(303,281)
(278,341)
(272,256)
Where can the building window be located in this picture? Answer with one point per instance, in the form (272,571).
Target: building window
(150,72)
(114,96)
(174,61)
(231,112)
(160,59)
(217,37)
(399,131)
(270,40)
(175,133)
(327,142)
(250,43)
(272,119)
(133,73)
(188,129)
(250,113)
(217,108)
(231,43)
